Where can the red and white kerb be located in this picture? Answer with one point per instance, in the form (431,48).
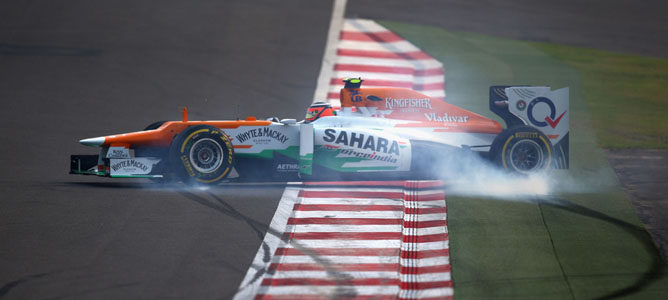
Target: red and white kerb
(383,59)
(363,240)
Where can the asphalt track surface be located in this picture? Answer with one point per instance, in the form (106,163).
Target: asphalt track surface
(88,68)
(70,70)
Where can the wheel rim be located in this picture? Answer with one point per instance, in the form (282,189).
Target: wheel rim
(206,155)
(526,156)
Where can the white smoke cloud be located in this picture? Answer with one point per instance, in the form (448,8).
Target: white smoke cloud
(470,175)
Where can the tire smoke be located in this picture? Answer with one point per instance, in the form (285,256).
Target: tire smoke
(468,174)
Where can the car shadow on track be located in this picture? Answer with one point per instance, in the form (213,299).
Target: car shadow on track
(175,186)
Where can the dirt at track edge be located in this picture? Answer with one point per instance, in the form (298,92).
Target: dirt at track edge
(643,174)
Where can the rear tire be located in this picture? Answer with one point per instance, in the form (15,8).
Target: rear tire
(522,149)
(201,154)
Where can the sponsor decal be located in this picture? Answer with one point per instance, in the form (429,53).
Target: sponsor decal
(362,141)
(287,167)
(373,155)
(118,152)
(374,98)
(130,165)
(262,136)
(355,96)
(521,105)
(392,103)
(229,149)
(526,135)
(549,119)
(433,117)
(186,164)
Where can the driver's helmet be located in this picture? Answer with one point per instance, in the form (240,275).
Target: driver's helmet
(317,110)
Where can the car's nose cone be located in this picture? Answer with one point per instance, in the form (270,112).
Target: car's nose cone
(93,142)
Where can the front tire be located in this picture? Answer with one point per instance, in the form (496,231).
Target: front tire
(201,154)
(522,149)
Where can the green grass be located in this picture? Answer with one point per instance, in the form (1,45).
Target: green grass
(520,250)
(626,95)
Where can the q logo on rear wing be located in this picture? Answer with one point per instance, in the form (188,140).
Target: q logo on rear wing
(546,110)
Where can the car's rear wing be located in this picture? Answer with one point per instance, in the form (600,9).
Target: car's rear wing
(538,107)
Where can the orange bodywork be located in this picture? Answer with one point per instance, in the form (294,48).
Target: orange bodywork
(163,136)
(405,104)
(418,109)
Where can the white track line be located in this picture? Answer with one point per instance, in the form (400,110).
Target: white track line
(324,274)
(352,189)
(437,293)
(431,277)
(337,259)
(427,217)
(425,231)
(351,214)
(366,26)
(425,262)
(332,291)
(424,64)
(426,246)
(348,228)
(351,201)
(394,47)
(329,57)
(249,286)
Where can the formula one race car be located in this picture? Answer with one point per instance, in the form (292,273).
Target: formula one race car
(376,133)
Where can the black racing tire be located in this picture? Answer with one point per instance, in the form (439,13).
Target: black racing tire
(522,150)
(201,154)
(154,125)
